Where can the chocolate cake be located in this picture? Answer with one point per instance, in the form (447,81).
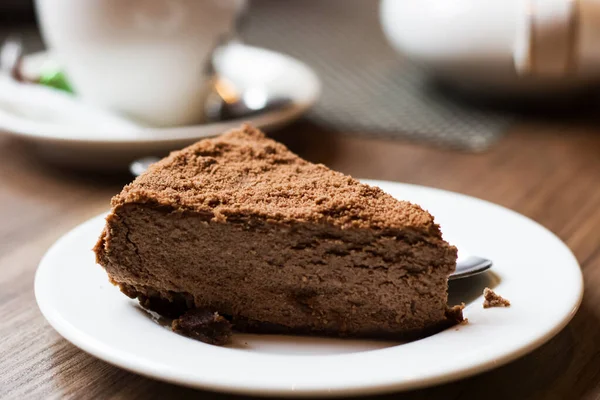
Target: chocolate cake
(241,226)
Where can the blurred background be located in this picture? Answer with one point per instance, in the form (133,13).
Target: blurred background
(478,97)
(381,81)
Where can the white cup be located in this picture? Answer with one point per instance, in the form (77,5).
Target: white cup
(505,46)
(144,58)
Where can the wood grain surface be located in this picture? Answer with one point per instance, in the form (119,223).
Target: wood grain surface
(550,172)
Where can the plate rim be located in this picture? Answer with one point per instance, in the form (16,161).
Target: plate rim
(121,361)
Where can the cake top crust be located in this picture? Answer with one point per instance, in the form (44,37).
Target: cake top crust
(242,173)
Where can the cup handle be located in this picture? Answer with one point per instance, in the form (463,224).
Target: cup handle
(546,37)
(226,39)
(222,90)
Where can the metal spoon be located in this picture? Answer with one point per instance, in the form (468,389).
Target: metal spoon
(469,266)
(226,102)
(465,267)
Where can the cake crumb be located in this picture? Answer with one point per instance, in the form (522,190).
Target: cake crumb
(204,325)
(465,321)
(454,314)
(491,299)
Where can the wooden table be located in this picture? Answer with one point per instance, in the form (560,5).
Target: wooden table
(549,172)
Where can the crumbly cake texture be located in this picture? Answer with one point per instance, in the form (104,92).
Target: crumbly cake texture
(204,325)
(491,299)
(241,226)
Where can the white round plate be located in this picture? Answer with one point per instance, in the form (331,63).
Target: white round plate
(245,66)
(74,295)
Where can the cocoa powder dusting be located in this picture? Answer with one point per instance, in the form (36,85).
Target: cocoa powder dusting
(244,172)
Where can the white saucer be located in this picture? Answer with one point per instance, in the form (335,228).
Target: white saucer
(530,263)
(244,65)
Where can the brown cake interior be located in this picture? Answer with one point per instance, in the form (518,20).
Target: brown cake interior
(242,226)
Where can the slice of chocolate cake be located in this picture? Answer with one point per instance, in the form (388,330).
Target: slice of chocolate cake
(240,226)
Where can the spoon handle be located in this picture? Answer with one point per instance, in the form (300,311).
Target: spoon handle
(469,266)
